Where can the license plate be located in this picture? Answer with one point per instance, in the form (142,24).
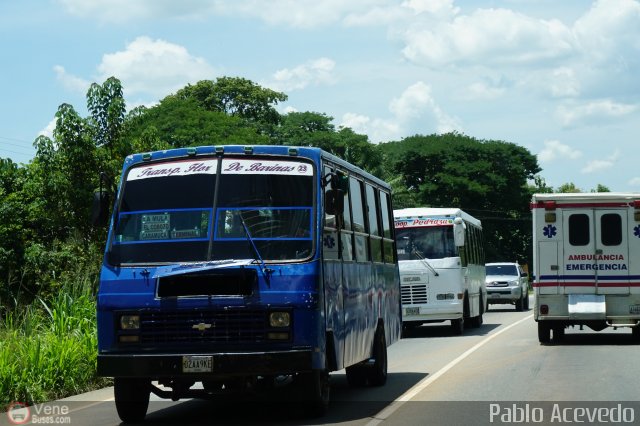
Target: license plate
(634,309)
(197,364)
(412,311)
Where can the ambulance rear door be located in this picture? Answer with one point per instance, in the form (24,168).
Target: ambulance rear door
(595,257)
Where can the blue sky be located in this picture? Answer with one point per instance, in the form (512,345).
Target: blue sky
(559,78)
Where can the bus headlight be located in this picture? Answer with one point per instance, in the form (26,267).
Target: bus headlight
(130,322)
(279,319)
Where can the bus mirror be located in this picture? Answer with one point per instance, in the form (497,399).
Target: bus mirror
(334,202)
(100,209)
(458,232)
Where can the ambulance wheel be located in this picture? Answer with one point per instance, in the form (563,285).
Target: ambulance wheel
(558,333)
(132,398)
(544,332)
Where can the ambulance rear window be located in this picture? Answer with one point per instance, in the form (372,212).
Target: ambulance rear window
(578,229)
(611,226)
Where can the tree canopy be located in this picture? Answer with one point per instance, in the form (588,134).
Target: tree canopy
(45,204)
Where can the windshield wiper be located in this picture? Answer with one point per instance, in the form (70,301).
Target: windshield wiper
(266,272)
(424,260)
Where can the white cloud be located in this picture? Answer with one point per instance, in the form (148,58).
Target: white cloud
(634,182)
(127,10)
(70,81)
(609,29)
(415,105)
(554,150)
(601,164)
(564,83)
(483,91)
(377,129)
(592,112)
(487,36)
(318,71)
(154,68)
(48,130)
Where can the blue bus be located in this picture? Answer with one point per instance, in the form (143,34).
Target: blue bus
(230,267)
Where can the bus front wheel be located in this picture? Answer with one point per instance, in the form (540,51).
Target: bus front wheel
(315,388)
(132,398)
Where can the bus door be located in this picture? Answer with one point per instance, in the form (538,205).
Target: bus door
(595,252)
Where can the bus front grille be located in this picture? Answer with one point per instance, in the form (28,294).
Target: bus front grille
(414,294)
(225,326)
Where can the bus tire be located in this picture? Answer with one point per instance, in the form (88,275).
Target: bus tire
(458,326)
(315,391)
(477,321)
(377,374)
(132,398)
(544,332)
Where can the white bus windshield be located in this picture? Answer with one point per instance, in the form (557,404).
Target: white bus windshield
(433,242)
(168,213)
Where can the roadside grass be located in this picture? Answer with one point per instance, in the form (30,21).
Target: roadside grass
(48,348)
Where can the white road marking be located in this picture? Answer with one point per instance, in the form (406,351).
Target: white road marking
(422,384)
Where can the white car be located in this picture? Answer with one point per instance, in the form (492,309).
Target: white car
(507,282)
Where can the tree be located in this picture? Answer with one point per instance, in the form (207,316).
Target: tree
(237,97)
(182,121)
(489,179)
(569,187)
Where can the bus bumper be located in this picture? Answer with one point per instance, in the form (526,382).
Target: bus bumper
(224,364)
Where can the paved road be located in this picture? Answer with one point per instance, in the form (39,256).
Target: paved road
(489,375)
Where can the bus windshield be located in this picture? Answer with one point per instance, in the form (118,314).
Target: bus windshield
(433,242)
(169,211)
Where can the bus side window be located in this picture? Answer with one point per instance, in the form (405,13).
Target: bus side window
(388,242)
(330,246)
(375,237)
(346,233)
(359,229)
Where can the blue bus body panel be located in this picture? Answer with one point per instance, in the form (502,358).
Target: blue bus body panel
(344,300)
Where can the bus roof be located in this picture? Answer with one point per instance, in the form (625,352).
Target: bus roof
(421,212)
(209,150)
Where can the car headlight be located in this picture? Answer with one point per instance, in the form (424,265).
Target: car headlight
(279,319)
(130,322)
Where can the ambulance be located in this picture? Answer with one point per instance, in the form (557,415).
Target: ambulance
(586,262)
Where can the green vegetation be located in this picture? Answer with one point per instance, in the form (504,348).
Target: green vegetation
(48,348)
(50,253)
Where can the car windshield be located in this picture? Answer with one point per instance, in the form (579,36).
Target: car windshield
(434,242)
(169,211)
(501,270)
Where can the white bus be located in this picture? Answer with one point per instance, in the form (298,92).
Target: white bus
(442,273)
(586,252)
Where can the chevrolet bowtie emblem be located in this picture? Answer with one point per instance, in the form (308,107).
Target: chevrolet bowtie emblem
(201,326)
